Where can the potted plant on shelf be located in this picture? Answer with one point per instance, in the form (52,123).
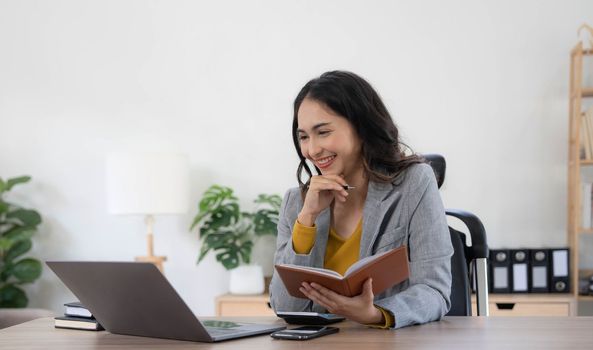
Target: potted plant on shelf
(17,226)
(231,234)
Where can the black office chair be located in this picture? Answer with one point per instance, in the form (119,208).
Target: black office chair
(468,263)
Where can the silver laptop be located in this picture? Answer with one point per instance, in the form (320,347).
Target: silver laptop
(136,299)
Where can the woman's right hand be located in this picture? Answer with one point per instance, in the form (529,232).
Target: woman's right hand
(323,189)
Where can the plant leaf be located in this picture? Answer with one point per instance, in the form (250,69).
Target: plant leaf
(266,222)
(5,244)
(203,252)
(245,251)
(3,205)
(273,200)
(17,249)
(224,216)
(216,241)
(2,185)
(27,270)
(6,272)
(16,180)
(197,219)
(25,217)
(214,196)
(13,297)
(229,257)
(19,234)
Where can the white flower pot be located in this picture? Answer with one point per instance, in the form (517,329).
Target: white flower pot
(247,279)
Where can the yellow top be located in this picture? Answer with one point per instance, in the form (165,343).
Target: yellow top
(340,254)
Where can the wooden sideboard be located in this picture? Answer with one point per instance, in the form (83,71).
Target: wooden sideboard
(243,305)
(530,304)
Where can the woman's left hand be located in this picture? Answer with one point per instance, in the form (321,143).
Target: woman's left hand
(359,308)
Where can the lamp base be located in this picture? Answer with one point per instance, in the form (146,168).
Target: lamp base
(150,257)
(156,260)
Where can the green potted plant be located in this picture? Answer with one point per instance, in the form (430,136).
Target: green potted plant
(17,226)
(231,234)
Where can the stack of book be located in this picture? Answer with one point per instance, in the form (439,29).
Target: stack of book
(77,316)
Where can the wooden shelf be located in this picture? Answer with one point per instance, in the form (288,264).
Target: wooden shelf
(585,297)
(574,204)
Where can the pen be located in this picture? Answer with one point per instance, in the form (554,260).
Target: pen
(346,187)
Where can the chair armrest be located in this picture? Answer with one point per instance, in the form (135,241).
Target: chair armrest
(479,247)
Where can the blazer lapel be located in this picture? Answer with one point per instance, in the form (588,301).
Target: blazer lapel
(372,215)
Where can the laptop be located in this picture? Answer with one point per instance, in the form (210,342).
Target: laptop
(134,298)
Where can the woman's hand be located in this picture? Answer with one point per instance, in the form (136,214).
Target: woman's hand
(323,189)
(359,308)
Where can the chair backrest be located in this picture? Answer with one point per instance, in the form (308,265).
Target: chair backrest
(465,258)
(460,286)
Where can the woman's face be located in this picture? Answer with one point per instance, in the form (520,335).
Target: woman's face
(328,140)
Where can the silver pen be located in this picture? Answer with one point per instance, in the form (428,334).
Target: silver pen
(346,187)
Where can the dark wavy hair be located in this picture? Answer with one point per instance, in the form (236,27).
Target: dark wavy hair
(350,96)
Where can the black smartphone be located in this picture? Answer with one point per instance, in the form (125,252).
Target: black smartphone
(304,333)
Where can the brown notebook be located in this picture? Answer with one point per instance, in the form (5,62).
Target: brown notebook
(386,269)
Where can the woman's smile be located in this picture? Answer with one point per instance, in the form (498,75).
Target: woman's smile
(325,162)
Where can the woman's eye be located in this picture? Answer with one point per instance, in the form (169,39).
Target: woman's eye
(324,132)
(302,137)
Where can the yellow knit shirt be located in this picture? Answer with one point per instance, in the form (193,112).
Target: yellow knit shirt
(340,254)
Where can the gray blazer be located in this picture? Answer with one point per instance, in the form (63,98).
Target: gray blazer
(408,211)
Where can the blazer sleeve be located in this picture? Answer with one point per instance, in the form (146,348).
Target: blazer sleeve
(285,254)
(427,297)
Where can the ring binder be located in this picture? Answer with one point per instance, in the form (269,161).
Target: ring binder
(540,263)
(560,271)
(519,271)
(500,270)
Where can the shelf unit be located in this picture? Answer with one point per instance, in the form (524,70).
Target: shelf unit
(577,93)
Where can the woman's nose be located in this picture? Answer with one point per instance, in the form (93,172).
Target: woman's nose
(315,148)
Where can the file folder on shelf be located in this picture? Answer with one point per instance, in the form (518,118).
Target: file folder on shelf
(500,262)
(519,270)
(540,266)
(560,271)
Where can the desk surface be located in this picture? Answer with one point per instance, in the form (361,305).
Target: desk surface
(450,333)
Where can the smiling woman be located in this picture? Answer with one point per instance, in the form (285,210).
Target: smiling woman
(362,190)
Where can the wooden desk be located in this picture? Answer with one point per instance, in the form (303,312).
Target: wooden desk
(450,333)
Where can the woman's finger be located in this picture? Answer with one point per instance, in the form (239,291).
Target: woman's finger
(321,299)
(327,185)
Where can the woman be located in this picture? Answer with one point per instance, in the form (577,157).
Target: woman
(366,196)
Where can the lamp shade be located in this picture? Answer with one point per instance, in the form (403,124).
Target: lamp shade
(147,183)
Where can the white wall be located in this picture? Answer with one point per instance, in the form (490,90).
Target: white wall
(483,82)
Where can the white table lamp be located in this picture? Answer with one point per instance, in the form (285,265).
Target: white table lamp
(148,184)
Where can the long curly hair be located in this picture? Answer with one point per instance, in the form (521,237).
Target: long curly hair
(350,96)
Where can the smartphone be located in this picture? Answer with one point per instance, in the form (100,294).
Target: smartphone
(304,333)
